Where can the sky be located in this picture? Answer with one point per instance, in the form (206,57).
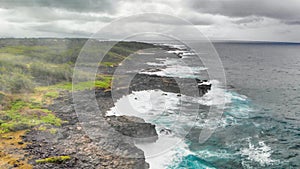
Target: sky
(256,20)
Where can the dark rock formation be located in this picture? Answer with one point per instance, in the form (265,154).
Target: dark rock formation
(86,153)
(168,84)
(133,127)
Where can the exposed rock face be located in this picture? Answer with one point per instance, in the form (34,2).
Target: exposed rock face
(168,84)
(133,127)
(185,86)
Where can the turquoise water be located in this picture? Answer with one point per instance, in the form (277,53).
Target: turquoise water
(169,111)
(268,74)
(260,124)
(237,114)
(263,130)
(192,161)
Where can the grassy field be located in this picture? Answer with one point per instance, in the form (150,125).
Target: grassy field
(33,72)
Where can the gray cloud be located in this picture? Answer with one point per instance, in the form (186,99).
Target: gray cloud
(291,22)
(71,5)
(174,21)
(43,14)
(284,10)
(223,19)
(58,29)
(248,20)
(196,20)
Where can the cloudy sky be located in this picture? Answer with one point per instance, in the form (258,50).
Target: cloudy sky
(266,20)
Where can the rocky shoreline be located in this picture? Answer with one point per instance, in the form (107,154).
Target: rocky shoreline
(72,140)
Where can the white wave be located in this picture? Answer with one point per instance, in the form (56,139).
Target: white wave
(215,154)
(181,52)
(145,104)
(163,62)
(182,47)
(260,154)
(150,105)
(175,51)
(216,96)
(165,151)
(174,68)
(206,83)
(167,111)
(155,64)
(188,54)
(145,53)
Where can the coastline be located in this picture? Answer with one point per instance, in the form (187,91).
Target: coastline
(40,129)
(71,139)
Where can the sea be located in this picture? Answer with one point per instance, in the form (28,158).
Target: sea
(260,123)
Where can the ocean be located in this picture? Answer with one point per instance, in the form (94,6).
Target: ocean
(260,126)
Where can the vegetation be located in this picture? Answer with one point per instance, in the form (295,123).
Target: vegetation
(12,154)
(27,63)
(33,72)
(55,159)
(20,115)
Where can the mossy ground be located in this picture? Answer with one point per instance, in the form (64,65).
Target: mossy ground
(55,159)
(23,111)
(103,82)
(12,153)
(21,114)
(18,113)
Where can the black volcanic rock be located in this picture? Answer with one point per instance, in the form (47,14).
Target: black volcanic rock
(168,84)
(133,127)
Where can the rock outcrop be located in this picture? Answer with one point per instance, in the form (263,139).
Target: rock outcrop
(133,127)
(169,84)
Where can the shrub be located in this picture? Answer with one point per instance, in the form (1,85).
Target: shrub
(49,73)
(16,82)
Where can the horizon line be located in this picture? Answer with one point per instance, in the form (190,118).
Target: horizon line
(212,40)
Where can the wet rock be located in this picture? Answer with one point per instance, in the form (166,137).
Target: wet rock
(169,84)
(133,127)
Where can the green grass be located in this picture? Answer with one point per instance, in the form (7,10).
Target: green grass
(52,94)
(47,128)
(103,82)
(26,63)
(23,115)
(21,49)
(55,159)
(38,69)
(33,72)
(53,130)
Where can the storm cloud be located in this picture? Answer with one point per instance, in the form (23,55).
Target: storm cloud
(268,20)
(71,5)
(286,10)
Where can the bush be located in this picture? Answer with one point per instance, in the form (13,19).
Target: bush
(16,82)
(49,73)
